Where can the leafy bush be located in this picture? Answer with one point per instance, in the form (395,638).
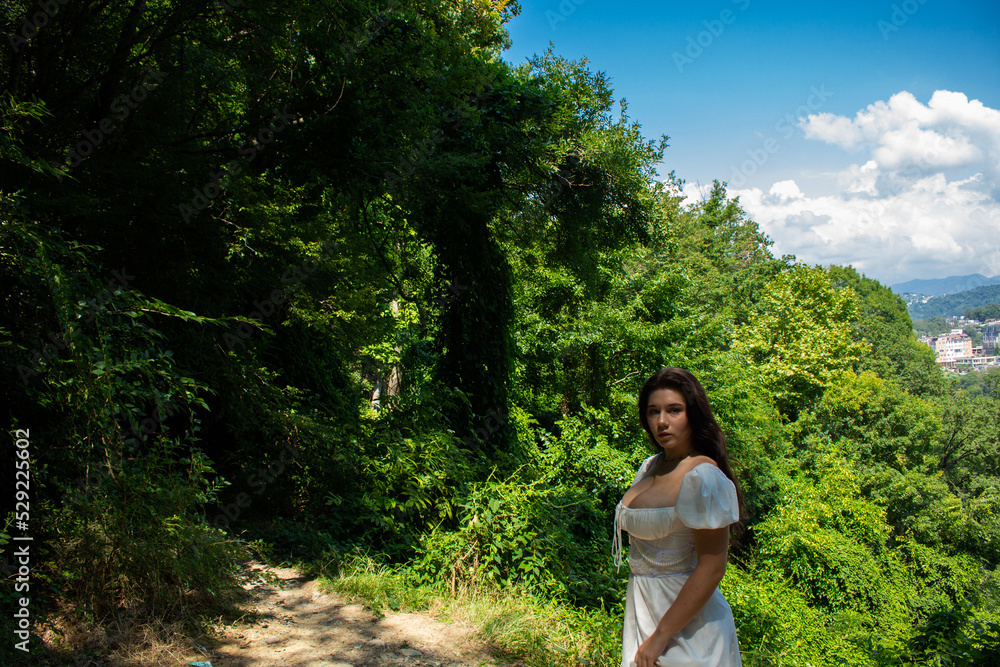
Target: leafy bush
(883,422)
(136,539)
(777,626)
(548,540)
(593,453)
(830,542)
(920,505)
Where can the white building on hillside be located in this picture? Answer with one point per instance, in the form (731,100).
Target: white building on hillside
(950,347)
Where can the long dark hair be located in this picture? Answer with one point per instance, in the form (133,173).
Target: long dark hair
(707,437)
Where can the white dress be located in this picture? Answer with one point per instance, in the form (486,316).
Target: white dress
(662,556)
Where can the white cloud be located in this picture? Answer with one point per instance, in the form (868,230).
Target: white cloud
(904,135)
(934,229)
(832,129)
(927,149)
(861,180)
(785,190)
(923,202)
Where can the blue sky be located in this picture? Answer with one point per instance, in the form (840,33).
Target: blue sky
(824,118)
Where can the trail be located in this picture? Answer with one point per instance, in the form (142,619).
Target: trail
(299,626)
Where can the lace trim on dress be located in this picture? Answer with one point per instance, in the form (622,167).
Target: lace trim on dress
(645,559)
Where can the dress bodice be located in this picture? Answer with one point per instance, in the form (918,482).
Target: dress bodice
(661,539)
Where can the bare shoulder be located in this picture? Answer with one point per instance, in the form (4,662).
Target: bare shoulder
(691,462)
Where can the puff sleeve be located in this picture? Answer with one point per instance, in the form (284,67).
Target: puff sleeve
(707,498)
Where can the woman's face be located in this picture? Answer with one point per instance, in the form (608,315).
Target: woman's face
(666,416)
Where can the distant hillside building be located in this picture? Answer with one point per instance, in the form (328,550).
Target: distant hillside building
(991,337)
(952,346)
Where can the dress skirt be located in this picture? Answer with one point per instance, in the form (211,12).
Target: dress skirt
(709,640)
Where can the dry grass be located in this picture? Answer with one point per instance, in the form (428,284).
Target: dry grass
(514,627)
(132,638)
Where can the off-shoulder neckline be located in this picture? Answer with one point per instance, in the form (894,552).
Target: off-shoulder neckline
(669,507)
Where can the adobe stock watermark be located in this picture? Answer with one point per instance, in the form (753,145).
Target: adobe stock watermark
(34,22)
(566,9)
(696,44)
(901,13)
(363,35)
(267,306)
(220,180)
(263,309)
(224,6)
(443,299)
(555,188)
(758,157)
(49,351)
(121,108)
(22,518)
(991,265)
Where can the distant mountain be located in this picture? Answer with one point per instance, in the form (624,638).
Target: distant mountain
(953,305)
(949,285)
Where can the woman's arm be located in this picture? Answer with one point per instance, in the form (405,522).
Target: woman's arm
(712,547)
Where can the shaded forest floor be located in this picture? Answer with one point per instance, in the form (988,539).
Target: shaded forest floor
(298,625)
(291,622)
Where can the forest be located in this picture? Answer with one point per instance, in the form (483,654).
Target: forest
(953,305)
(990,311)
(333,284)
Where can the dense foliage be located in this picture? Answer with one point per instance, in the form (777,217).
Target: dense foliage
(334,280)
(934,326)
(990,311)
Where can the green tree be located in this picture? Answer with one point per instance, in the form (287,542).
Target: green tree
(932,326)
(884,323)
(990,311)
(969,442)
(831,542)
(880,421)
(800,335)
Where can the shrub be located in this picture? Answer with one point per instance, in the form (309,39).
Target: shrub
(547,540)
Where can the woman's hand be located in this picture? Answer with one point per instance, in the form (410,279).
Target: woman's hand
(651,649)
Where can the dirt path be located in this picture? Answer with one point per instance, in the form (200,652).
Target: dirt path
(298,626)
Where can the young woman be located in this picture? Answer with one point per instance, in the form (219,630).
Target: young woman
(677,514)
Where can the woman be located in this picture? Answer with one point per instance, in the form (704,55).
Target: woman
(677,513)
